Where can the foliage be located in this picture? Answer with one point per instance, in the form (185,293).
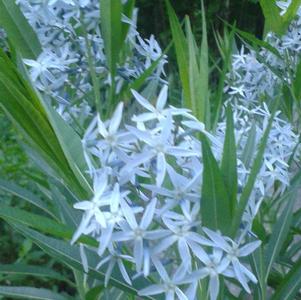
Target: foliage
(131,196)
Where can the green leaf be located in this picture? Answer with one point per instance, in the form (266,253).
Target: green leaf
(279,234)
(128,9)
(138,82)
(63,201)
(193,65)
(215,208)
(18,30)
(258,267)
(181,52)
(71,255)
(290,14)
(24,194)
(26,110)
(282,227)
(287,104)
(111,29)
(226,53)
(23,292)
(297,83)
(255,42)
(204,70)
(30,270)
(43,224)
(290,284)
(94,293)
(243,201)
(273,20)
(250,147)
(197,92)
(229,161)
(71,146)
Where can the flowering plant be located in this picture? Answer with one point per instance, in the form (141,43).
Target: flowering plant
(143,198)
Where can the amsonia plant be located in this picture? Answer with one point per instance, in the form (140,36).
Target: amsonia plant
(142,199)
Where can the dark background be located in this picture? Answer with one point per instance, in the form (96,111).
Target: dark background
(153,19)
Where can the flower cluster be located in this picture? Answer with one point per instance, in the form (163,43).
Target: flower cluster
(147,197)
(259,75)
(68,31)
(257,78)
(148,177)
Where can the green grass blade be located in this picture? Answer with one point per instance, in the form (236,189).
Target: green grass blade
(18,30)
(23,292)
(229,161)
(215,208)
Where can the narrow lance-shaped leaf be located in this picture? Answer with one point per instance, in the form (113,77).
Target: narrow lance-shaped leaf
(111,29)
(204,70)
(290,284)
(24,194)
(290,14)
(24,292)
(195,85)
(297,83)
(215,208)
(254,41)
(229,161)
(181,52)
(26,109)
(250,147)
(273,20)
(128,9)
(30,270)
(69,215)
(282,226)
(41,223)
(243,201)
(110,16)
(138,82)
(258,267)
(217,100)
(19,32)
(71,146)
(71,255)
(279,234)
